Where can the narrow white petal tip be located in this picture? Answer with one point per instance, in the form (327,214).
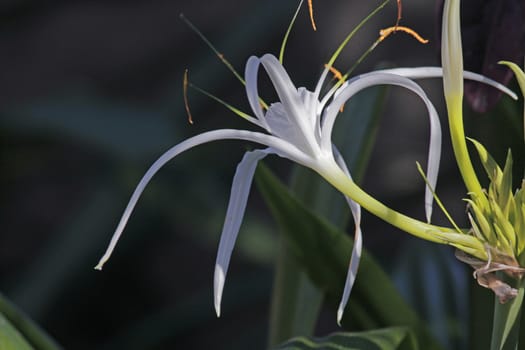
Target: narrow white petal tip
(340,312)
(428,213)
(218,286)
(100,264)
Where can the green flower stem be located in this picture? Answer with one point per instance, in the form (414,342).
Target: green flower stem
(452,61)
(470,244)
(459,144)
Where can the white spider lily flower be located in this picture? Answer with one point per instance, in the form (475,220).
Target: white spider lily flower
(298,128)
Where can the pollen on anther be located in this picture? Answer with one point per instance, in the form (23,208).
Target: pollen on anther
(185,93)
(311,11)
(384,33)
(337,74)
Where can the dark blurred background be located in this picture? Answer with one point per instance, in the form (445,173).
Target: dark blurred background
(91,95)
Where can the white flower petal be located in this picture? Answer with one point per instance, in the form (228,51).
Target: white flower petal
(320,83)
(310,103)
(240,190)
(281,147)
(358,243)
(284,86)
(371,79)
(292,102)
(252,91)
(437,72)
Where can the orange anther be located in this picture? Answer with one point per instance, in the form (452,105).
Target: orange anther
(311,10)
(337,74)
(384,33)
(185,93)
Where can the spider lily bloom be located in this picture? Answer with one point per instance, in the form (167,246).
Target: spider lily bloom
(299,128)
(497,215)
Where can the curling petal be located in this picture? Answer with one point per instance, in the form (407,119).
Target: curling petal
(377,78)
(280,147)
(242,182)
(284,86)
(437,72)
(252,92)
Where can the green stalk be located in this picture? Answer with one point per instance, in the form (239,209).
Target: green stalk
(444,235)
(505,328)
(452,61)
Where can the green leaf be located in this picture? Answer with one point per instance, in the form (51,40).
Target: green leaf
(490,165)
(505,190)
(399,338)
(296,302)
(324,252)
(482,221)
(19,329)
(10,338)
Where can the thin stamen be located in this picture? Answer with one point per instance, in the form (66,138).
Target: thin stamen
(399,12)
(185,93)
(384,33)
(339,76)
(311,10)
(213,48)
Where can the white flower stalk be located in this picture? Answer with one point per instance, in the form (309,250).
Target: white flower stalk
(299,128)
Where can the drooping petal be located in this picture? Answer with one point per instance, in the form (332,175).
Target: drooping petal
(358,243)
(252,91)
(437,72)
(280,147)
(242,182)
(372,79)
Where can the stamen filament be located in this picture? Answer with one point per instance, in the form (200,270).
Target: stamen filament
(337,74)
(225,104)
(287,34)
(185,93)
(213,48)
(399,12)
(436,198)
(311,10)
